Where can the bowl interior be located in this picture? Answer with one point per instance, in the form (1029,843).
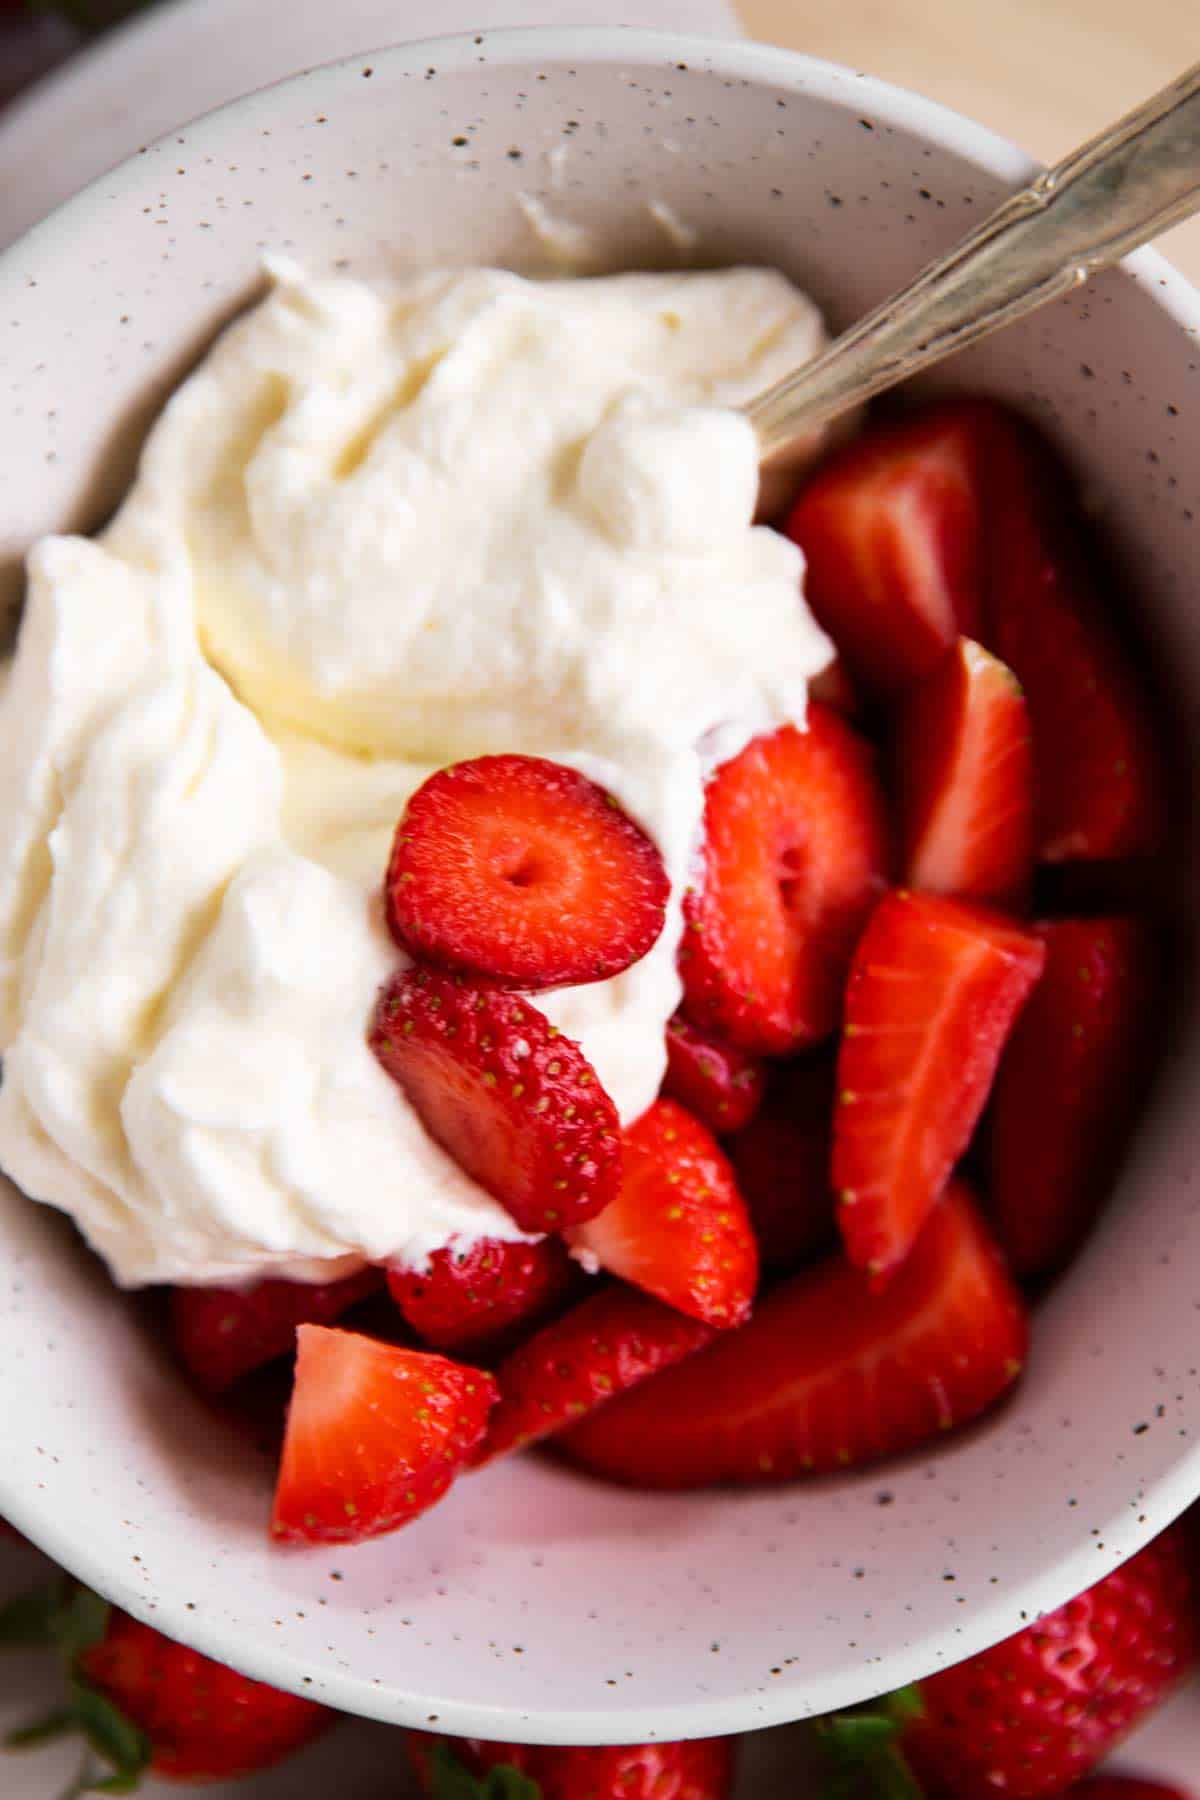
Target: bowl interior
(534,1604)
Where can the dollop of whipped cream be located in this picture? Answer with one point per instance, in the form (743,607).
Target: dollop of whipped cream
(379,529)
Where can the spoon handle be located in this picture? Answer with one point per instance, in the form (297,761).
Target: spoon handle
(1117,191)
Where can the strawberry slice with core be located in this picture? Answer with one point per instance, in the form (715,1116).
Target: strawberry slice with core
(827,1375)
(375,1435)
(795,847)
(781,1161)
(716,1081)
(1069,1085)
(516,1104)
(608,1344)
(935,989)
(471,1294)
(679,1227)
(964,765)
(524,871)
(221,1333)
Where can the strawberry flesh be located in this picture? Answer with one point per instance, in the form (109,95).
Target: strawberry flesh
(935,989)
(720,1084)
(516,1104)
(473,1294)
(678,1227)
(782,1163)
(525,872)
(795,848)
(222,1333)
(375,1435)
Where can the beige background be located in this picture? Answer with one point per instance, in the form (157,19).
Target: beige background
(1046,73)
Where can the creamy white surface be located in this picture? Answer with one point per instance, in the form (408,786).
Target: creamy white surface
(380,529)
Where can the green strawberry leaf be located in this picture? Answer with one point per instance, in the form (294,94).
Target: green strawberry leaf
(863,1753)
(80,1624)
(123,1747)
(28,1622)
(449,1780)
(42,1731)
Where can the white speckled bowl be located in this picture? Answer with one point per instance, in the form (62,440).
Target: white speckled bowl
(534,1604)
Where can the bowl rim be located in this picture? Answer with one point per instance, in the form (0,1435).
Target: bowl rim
(750,1710)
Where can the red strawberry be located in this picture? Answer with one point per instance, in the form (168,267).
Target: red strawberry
(964,763)
(1039,1711)
(1068,1087)
(891,528)
(221,1333)
(145,1702)
(1101,785)
(469,1296)
(827,1375)
(375,1435)
(524,871)
(609,1343)
(721,1084)
(1126,1787)
(517,1105)
(795,843)
(679,1227)
(781,1160)
(701,1769)
(934,992)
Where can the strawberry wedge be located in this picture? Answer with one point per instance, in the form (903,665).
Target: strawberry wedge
(221,1333)
(827,1375)
(722,1085)
(473,1294)
(782,1162)
(934,991)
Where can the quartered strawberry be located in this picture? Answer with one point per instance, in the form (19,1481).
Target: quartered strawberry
(471,1294)
(782,1158)
(1069,1085)
(375,1435)
(610,1342)
(221,1333)
(934,991)
(516,1104)
(892,531)
(964,777)
(678,1227)
(795,848)
(143,1702)
(524,871)
(721,1084)
(827,1375)
(456,1769)
(1101,786)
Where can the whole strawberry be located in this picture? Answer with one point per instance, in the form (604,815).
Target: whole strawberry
(142,1702)
(466,1769)
(1036,1713)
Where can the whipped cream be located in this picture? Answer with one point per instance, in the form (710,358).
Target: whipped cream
(381,528)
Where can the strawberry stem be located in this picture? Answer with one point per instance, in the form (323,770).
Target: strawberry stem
(449,1780)
(863,1752)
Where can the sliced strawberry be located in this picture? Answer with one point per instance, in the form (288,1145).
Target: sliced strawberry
(679,1227)
(221,1333)
(516,1104)
(795,848)
(1101,783)
(891,529)
(375,1435)
(472,1294)
(781,1160)
(721,1084)
(827,1375)
(524,871)
(699,1769)
(609,1343)
(964,768)
(935,989)
(1069,1085)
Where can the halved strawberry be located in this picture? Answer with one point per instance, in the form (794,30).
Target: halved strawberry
(1069,1085)
(472,1294)
(721,1084)
(604,1346)
(221,1333)
(935,989)
(516,1104)
(1100,777)
(679,1227)
(964,770)
(781,1160)
(795,848)
(827,1375)
(375,1435)
(524,871)
(891,528)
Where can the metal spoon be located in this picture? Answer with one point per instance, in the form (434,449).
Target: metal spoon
(1117,191)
